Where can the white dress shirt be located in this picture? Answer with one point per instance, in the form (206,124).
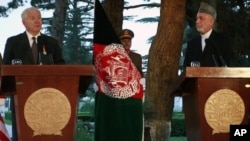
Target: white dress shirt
(204,37)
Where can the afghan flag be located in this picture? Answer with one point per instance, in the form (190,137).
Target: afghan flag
(4,136)
(117,76)
(118,102)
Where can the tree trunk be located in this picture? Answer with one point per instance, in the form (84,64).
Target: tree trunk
(59,20)
(163,66)
(114,11)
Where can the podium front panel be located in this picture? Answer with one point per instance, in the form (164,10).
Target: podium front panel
(200,127)
(46,98)
(49,110)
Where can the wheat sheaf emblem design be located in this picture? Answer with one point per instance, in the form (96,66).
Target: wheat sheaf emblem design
(223,108)
(47,111)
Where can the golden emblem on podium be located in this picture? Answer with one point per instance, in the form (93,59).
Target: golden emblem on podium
(47,111)
(223,108)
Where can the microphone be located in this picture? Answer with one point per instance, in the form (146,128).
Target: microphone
(215,61)
(40,58)
(45,56)
(222,61)
(217,51)
(40,43)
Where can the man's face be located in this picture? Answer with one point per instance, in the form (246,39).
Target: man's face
(126,43)
(204,22)
(33,21)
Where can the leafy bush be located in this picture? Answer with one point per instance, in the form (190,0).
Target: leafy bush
(82,133)
(178,125)
(8,115)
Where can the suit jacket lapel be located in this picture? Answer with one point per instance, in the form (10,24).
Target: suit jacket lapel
(26,48)
(207,48)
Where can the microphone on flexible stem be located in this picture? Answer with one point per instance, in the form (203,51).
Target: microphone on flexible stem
(40,43)
(223,62)
(215,62)
(51,61)
(40,58)
(45,56)
(214,59)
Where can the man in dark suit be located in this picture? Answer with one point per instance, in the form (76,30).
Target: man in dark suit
(20,46)
(126,39)
(211,49)
(46,49)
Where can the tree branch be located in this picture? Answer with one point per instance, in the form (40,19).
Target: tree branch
(149,5)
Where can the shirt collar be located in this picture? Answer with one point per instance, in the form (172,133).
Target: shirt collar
(206,35)
(30,35)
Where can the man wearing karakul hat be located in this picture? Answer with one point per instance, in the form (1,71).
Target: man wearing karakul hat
(211,49)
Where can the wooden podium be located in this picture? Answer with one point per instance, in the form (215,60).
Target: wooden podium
(46,98)
(213,99)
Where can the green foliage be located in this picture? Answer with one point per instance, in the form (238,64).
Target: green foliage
(77,47)
(86,106)
(13,4)
(82,133)
(3,11)
(8,118)
(43,4)
(178,125)
(85,123)
(8,115)
(178,138)
(144,64)
(149,20)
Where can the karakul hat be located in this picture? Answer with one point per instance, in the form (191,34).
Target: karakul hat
(206,8)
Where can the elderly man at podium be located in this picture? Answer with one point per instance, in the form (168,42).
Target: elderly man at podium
(31,47)
(210,48)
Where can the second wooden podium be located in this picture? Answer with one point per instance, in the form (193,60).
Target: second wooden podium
(46,98)
(213,99)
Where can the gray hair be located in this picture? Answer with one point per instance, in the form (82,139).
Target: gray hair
(25,11)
